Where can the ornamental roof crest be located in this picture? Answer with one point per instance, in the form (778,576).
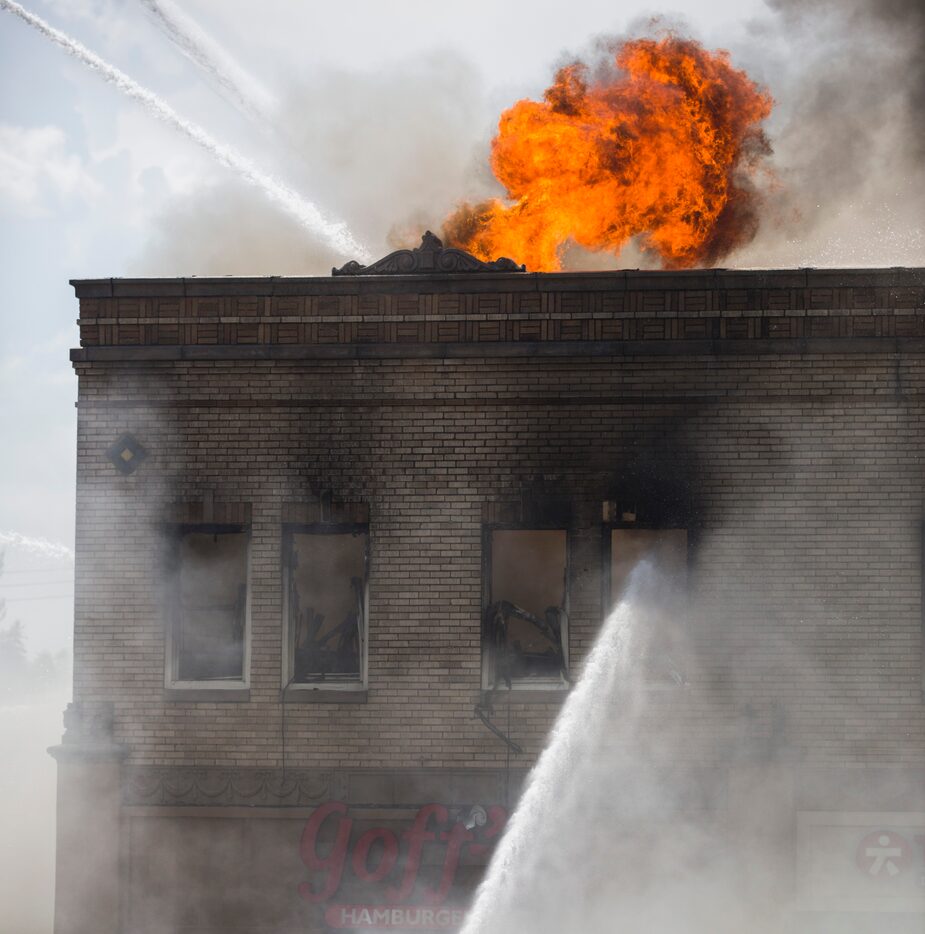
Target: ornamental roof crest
(427,259)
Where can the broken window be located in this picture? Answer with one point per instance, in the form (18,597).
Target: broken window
(209,632)
(666,549)
(326,571)
(524,626)
(666,552)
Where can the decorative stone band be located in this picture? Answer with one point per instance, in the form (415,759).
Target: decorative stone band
(409,311)
(98,753)
(429,258)
(213,786)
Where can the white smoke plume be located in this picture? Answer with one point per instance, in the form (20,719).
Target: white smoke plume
(244,90)
(335,233)
(37,546)
(398,157)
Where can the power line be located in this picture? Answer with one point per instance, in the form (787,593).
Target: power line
(57,596)
(48,569)
(63,580)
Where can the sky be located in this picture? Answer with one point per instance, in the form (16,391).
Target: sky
(381,114)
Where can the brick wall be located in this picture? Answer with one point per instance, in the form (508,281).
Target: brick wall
(791,402)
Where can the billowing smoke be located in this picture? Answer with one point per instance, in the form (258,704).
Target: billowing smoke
(394,157)
(880,44)
(844,185)
(850,138)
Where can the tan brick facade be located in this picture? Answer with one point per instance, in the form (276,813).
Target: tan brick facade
(784,408)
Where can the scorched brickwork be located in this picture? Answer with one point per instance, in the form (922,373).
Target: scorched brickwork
(781,412)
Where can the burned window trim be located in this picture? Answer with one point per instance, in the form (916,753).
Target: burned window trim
(328,689)
(535,685)
(226,689)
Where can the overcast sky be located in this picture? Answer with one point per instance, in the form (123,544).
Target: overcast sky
(379,111)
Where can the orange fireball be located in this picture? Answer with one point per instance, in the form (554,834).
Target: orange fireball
(664,147)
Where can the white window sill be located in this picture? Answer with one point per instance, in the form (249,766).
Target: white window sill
(551,693)
(325,694)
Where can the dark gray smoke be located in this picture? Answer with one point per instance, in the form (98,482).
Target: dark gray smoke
(848,77)
(879,46)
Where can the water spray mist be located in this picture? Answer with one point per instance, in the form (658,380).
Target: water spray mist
(37,546)
(243,89)
(574,745)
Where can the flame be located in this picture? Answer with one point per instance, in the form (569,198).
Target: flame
(664,147)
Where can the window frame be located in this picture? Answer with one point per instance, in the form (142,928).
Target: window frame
(234,688)
(608,602)
(346,688)
(524,685)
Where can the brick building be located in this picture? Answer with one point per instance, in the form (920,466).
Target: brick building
(332,531)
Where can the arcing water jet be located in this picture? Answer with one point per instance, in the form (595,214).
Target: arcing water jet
(244,91)
(603,839)
(335,233)
(502,903)
(37,546)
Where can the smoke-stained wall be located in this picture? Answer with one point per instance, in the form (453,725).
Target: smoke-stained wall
(778,414)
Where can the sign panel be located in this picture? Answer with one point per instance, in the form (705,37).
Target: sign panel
(333,867)
(861,861)
(364,875)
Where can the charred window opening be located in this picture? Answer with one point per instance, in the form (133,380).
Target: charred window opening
(666,550)
(326,603)
(525,620)
(209,633)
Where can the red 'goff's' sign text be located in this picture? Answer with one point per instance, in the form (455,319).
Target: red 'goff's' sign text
(373,859)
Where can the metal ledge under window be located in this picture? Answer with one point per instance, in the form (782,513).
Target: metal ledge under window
(301,694)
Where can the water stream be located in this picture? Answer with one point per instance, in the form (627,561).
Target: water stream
(606,837)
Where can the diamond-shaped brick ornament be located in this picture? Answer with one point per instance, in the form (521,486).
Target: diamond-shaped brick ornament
(126,454)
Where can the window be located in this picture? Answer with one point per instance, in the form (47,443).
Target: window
(666,549)
(208,644)
(667,552)
(525,615)
(325,606)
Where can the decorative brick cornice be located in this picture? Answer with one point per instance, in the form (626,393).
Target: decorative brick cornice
(623,280)
(495,308)
(216,786)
